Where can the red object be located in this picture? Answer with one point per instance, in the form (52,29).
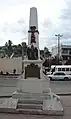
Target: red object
(32,34)
(33,38)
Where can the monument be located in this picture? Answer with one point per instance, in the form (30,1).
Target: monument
(33,94)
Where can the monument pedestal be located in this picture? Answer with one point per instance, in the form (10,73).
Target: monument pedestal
(35,97)
(33,85)
(33,94)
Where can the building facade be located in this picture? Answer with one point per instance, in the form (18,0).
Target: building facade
(65,51)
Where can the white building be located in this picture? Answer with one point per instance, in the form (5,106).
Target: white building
(65,51)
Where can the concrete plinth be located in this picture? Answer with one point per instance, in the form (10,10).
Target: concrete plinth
(32,85)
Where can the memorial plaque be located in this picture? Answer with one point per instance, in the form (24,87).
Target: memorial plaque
(32,70)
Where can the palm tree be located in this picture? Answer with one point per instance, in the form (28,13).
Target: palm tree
(8,48)
(9,43)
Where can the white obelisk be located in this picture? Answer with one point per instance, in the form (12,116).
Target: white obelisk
(33,33)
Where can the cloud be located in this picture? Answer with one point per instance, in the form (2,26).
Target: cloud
(15,31)
(14,2)
(65,21)
(14,20)
(47,23)
(17,27)
(62,26)
(21,21)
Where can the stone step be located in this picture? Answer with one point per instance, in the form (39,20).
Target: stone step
(32,111)
(29,106)
(29,111)
(26,96)
(39,112)
(30,101)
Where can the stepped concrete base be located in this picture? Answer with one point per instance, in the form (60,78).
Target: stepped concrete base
(29,103)
(32,103)
(33,96)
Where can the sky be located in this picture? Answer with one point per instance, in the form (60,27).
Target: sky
(54,17)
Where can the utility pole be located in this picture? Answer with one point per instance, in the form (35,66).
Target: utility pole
(58,38)
(22,57)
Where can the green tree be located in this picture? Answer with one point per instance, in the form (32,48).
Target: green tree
(46,52)
(9,43)
(19,49)
(24,47)
(8,48)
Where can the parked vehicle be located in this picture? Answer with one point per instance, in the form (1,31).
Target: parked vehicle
(64,68)
(59,76)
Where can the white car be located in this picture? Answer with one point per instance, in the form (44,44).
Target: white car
(59,76)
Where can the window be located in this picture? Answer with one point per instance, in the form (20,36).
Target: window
(60,73)
(67,69)
(59,69)
(65,51)
(70,53)
(56,73)
(70,69)
(63,69)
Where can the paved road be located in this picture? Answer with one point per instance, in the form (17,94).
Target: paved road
(66,100)
(7,86)
(60,86)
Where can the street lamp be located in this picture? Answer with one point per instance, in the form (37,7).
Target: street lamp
(58,38)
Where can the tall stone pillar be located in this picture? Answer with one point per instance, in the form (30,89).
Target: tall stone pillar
(33,33)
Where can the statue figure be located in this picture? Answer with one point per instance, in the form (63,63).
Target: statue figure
(32,53)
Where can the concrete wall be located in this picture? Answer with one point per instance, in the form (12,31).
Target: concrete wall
(10,64)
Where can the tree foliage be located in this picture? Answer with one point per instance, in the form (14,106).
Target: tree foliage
(8,49)
(45,52)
